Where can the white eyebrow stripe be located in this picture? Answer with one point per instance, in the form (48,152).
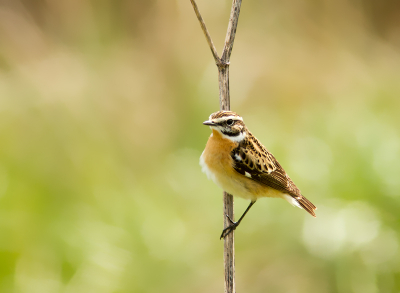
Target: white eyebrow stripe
(216,120)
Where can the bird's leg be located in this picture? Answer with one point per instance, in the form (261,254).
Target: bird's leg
(232,227)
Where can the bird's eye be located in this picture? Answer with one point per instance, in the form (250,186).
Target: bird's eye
(229,122)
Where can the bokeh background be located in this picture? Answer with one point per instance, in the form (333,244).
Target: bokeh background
(101,111)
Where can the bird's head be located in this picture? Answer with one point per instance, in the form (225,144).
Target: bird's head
(229,124)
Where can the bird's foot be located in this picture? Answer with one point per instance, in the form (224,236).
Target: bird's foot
(229,229)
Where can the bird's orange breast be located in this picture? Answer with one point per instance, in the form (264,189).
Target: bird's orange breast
(217,153)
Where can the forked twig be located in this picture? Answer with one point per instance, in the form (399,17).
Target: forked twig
(224,99)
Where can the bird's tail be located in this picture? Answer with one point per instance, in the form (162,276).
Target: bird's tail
(301,202)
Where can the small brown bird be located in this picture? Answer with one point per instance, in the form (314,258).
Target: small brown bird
(237,162)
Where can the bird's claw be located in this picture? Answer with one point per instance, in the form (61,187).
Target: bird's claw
(230,220)
(229,229)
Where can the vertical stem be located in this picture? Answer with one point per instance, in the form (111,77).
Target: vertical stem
(224,96)
(229,247)
(224,101)
(225,104)
(229,241)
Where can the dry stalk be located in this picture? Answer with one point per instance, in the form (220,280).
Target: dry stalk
(224,100)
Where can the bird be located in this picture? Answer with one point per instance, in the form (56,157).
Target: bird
(238,163)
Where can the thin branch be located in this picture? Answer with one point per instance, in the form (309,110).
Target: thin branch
(223,76)
(231,33)
(224,101)
(206,33)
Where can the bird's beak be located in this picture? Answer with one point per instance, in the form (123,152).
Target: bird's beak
(209,123)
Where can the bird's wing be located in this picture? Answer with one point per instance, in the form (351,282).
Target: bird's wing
(258,164)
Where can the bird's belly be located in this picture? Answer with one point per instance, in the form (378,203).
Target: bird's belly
(220,170)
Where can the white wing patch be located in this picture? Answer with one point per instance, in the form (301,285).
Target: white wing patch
(237,157)
(247,174)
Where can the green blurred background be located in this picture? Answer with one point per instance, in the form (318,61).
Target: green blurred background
(101,111)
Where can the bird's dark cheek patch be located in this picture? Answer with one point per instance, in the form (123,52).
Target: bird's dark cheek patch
(229,133)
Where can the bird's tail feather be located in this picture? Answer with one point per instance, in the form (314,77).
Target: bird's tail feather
(301,202)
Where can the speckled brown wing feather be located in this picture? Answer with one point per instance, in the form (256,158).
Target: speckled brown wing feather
(254,161)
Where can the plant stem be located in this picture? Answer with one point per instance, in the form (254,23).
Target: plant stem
(224,101)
